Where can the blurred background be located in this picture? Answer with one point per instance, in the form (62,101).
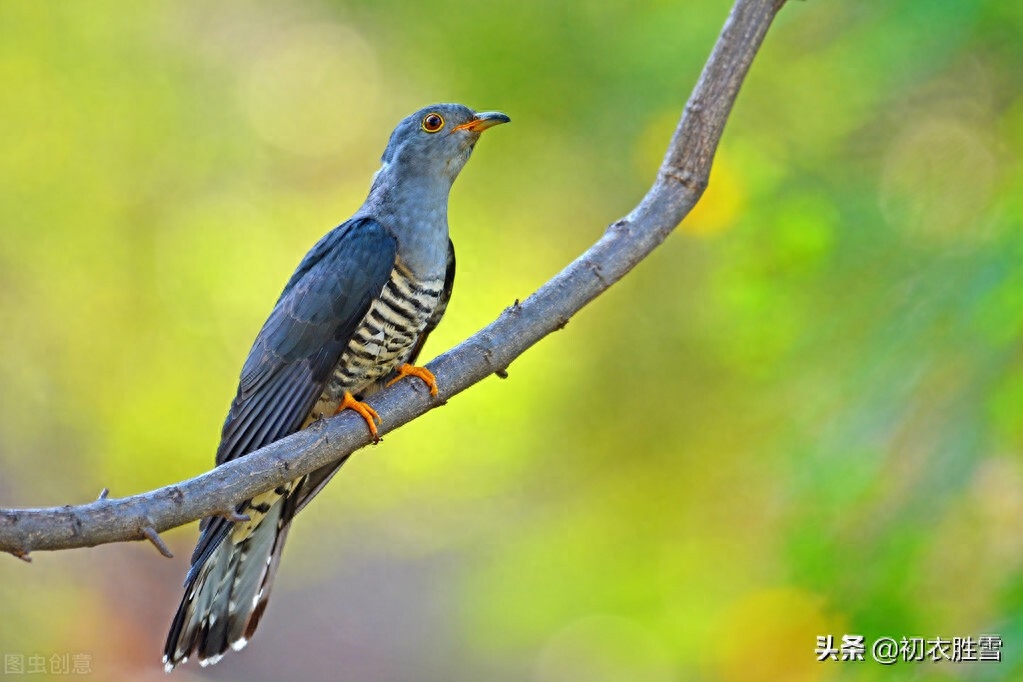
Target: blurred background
(802,416)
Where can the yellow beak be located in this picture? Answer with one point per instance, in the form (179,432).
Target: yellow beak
(482,121)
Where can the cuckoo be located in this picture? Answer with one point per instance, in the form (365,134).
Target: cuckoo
(353,316)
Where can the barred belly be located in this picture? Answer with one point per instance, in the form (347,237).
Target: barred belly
(385,337)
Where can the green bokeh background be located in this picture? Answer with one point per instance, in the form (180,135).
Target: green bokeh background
(803,415)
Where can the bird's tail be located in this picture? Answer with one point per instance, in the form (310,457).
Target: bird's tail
(228,586)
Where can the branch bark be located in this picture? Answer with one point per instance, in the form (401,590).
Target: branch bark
(680,182)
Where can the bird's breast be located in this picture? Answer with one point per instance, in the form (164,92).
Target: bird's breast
(385,337)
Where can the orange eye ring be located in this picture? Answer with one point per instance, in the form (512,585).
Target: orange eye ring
(433,122)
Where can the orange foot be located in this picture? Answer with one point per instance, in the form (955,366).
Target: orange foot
(407,370)
(364,410)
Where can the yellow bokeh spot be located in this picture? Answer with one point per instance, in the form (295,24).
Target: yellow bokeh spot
(771,635)
(716,211)
(938,181)
(313,91)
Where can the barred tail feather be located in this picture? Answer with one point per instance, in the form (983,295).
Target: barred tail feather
(226,595)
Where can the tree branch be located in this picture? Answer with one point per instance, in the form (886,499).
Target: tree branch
(680,182)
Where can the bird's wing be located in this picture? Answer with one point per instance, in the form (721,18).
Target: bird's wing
(300,344)
(315,481)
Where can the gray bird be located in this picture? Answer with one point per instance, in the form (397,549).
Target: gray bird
(354,316)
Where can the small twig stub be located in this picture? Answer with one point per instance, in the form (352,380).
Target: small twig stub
(157,541)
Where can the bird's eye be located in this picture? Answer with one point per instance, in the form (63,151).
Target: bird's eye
(433,122)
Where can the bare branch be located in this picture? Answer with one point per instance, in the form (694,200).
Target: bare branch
(679,184)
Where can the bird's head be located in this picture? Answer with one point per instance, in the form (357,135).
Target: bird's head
(437,140)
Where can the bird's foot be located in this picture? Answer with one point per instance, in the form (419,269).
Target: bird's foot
(407,370)
(364,410)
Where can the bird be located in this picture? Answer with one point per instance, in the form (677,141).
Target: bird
(352,318)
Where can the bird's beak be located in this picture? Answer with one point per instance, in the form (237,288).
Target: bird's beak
(482,121)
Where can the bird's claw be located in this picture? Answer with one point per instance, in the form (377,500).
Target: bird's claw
(365,411)
(407,370)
